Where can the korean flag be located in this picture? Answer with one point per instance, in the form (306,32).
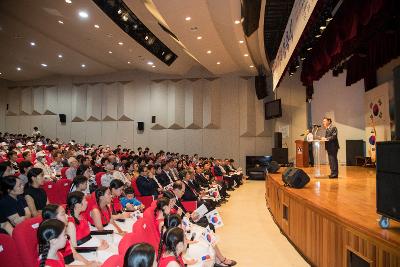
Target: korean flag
(214,218)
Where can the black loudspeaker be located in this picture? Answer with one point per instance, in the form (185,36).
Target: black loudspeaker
(273,167)
(395,104)
(261,86)
(251,14)
(140,125)
(388,179)
(280,155)
(354,148)
(295,177)
(63,118)
(153,119)
(277,139)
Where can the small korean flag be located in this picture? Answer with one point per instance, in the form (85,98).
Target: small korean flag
(214,218)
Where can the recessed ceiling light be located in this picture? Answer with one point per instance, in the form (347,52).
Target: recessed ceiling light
(125,17)
(188,18)
(129,62)
(68,1)
(1,73)
(241,41)
(33,43)
(153,66)
(83,66)
(150,63)
(96,26)
(110,52)
(251,66)
(119,11)
(83,14)
(309,48)
(43,65)
(19,68)
(61,22)
(199,37)
(246,55)
(218,63)
(120,43)
(237,21)
(60,55)
(322,27)
(209,52)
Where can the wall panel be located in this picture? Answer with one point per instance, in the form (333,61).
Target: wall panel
(159,104)
(37,94)
(109,110)
(194,104)
(176,104)
(79,103)
(26,101)
(50,100)
(13,101)
(78,132)
(126,96)
(211,104)
(94,102)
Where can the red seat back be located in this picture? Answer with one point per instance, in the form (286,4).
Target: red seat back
(114,261)
(190,206)
(51,191)
(62,187)
(25,236)
(135,188)
(63,170)
(146,200)
(98,178)
(9,256)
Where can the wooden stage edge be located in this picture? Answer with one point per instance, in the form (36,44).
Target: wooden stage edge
(330,221)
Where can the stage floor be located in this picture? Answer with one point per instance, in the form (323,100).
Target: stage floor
(351,199)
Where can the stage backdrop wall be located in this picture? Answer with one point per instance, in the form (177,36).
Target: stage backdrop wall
(345,105)
(217,116)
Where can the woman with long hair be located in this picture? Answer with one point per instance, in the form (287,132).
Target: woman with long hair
(175,246)
(98,212)
(51,238)
(69,254)
(140,255)
(35,196)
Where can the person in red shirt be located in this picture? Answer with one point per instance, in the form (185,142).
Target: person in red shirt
(175,245)
(68,252)
(51,238)
(78,226)
(98,212)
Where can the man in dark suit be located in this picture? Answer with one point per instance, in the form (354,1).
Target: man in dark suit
(331,146)
(164,178)
(147,186)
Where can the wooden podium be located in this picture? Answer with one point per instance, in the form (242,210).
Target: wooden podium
(301,153)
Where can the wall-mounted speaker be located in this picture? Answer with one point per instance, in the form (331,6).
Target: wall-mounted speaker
(153,119)
(277,139)
(140,125)
(260,83)
(63,118)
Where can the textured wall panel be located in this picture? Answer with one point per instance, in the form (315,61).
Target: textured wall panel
(194,104)
(247,124)
(176,104)
(109,110)
(26,101)
(79,103)
(125,133)
(159,104)
(50,100)
(13,101)
(78,132)
(261,123)
(37,108)
(109,133)
(94,102)
(126,97)
(211,104)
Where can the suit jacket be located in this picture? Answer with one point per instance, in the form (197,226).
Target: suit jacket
(190,193)
(163,178)
(218,171)
(331,134)
(201,180)
(195,185)
(147,186)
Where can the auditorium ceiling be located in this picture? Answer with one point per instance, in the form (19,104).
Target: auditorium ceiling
(40,38)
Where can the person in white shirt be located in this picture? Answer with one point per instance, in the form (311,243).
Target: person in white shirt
(36,132)
(42,164)
(309,139)
(108,176)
